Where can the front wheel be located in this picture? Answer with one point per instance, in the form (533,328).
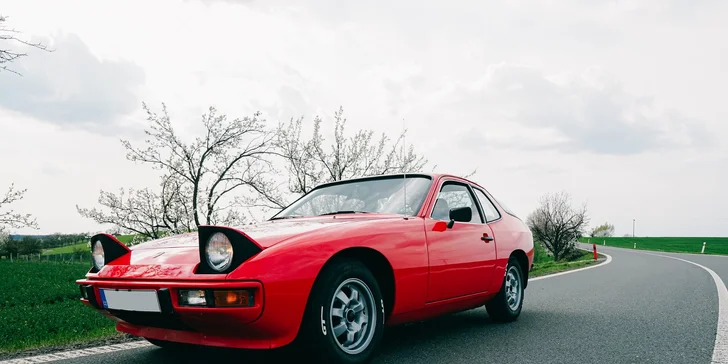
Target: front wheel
(506,305)
(344,320)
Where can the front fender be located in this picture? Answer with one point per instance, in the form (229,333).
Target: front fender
(289,270)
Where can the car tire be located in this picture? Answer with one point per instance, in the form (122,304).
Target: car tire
(325,315)
(501,308)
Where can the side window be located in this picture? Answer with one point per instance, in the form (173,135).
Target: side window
(491,213)
(454,195)
(505,208)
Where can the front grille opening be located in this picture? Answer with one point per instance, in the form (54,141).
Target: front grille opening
(152,319)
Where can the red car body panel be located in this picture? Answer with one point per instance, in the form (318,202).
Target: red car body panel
(432,269)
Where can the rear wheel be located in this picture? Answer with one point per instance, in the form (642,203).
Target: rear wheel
(506,305)
(344,320)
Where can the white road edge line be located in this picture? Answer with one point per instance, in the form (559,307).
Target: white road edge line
(609,260)
(720,350)
(78,353)
(658,252)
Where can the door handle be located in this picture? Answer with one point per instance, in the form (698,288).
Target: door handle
(486,238)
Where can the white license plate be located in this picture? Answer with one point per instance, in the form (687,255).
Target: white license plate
(134,300)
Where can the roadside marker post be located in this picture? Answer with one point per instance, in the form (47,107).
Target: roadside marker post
(595,251)
(702,251)
(635,246)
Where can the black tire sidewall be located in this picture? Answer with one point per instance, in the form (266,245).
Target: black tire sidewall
(498,308)
(322,342)
(514,263)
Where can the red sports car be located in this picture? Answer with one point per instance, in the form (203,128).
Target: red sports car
(328,272)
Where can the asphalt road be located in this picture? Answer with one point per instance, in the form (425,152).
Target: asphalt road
(640,308)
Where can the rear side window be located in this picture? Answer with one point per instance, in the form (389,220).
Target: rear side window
(505,208)
(491,213)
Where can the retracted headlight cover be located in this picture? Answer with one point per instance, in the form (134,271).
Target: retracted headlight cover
(105,248)
(223,249)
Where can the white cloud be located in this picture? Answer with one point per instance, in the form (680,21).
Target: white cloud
(70,86)
(616,102)
(591,113)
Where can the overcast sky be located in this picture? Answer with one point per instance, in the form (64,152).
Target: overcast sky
(620,103)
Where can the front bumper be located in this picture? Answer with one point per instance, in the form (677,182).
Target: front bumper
(215,326)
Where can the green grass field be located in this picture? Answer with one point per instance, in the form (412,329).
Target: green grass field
(125,238)
(664,244)
(39,306)
(68,249)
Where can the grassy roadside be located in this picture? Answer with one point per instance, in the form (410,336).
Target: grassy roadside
(714,245)
(544,264)
(39,307)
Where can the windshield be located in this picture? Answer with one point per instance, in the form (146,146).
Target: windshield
(376,195)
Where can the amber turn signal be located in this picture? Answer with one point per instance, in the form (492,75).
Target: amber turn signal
(233,298)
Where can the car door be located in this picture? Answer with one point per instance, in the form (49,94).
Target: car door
(462,257)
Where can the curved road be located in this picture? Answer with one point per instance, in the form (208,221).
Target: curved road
(639,308)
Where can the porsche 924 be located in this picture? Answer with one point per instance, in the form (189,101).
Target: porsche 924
(328,272)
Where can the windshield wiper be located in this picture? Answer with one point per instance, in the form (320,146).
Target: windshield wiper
(344,212)
(285,217)
(328,213)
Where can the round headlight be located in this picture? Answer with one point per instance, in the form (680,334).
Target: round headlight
(219,252)
(98,255)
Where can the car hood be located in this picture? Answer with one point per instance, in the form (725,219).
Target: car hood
(265,234)
(175,257)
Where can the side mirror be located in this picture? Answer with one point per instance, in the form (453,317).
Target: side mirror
(462,214)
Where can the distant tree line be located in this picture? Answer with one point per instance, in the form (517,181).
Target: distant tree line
(30,244)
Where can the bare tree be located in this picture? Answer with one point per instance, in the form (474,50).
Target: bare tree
(144,212)
(312,162)
(136,211)
(10,218)
(114,230)
(230,155)
(557,225)
(9,35)
(602,231)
